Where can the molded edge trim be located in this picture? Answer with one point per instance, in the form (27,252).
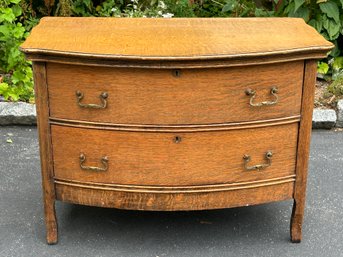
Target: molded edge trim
(174,201)
(176,189)
(175,128)
(317,49)
(174,63)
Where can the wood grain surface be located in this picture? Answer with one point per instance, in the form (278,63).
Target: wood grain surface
(202,158)
(303,151)
(197,96)
(176,128)
(174,202)
(179,38)
(178,120)
(45,150)
(235,61)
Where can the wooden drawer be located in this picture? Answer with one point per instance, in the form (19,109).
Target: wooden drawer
(196,96)
(199,158)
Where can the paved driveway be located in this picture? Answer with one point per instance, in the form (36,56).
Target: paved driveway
(86,231)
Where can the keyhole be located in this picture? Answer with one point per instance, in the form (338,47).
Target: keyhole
(177,139)
(176,73)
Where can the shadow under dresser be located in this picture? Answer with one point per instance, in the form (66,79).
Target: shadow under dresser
(174,114)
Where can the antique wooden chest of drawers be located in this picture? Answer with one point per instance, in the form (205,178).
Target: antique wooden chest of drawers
(174,114)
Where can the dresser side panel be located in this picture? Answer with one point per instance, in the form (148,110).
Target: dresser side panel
(303,150)
(46,159)
(305,128)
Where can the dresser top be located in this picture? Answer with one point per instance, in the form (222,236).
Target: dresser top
(174,39)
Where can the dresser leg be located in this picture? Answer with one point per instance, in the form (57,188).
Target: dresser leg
(50,222)
(303,152)
(296,221)
(44,135)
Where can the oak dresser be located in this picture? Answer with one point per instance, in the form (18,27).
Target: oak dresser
(174,114)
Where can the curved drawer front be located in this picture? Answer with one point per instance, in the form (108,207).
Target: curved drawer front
(168,159)
(193,96)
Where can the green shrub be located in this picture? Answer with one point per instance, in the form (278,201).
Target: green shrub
(326,16)
(336,87)
(16,79)
(232,8)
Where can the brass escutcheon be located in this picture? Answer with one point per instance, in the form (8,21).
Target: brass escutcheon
(177,139)
(176,73)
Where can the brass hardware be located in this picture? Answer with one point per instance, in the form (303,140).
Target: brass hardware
(103,97)
(177,139)
(176,73)
(268,157)
(252,93)
(104,161)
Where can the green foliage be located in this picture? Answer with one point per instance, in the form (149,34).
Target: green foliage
(82,8)
(16,80)
(210,8)
(337,67)
(323,67)
(64,8)
(237,8)
(132,8)
(326,16)
(332,69)
(179,8)
(108,8)
(336,86)
(143,9)
(231,8)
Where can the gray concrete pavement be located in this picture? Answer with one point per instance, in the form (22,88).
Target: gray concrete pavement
(87,231)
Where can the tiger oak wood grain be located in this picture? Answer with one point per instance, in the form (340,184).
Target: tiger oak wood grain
(140,96)
(155,159)
(44,136)
(177,189)
(133,60)
(179,38)
(303,151)
(174,63)
(173,202)
(175,128)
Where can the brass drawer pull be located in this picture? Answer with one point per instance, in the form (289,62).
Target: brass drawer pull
(103,97)
(252,93)
(258,167)
(104,161)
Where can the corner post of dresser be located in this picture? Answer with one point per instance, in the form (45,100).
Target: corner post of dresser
(42,107)
(304,140)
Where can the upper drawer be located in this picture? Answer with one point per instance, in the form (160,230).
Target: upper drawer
(189,96)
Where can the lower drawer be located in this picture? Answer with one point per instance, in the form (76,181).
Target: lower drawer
(174,159)
(172,201)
